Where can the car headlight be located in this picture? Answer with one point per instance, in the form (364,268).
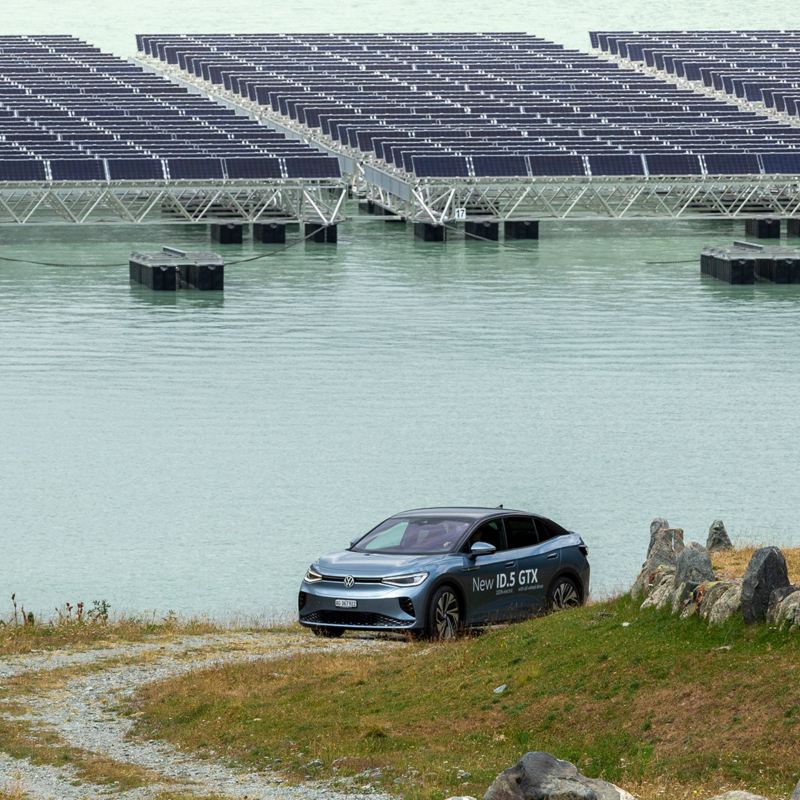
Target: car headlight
(312,576)
(406,580)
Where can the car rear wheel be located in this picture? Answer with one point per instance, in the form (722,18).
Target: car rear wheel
(328,633)
(445,616)
(564,593)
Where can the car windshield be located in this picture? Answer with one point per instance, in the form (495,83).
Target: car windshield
(414,536)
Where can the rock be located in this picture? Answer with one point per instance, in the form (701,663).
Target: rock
(738,795)
(718,538)
(665,545)
(659,523)
(500,689)
(662,584)
(693,566)
(726,606)
(796,793)
(540,776)
(461,797)
(786,613)
(765,573)
(462,775)
(710,593)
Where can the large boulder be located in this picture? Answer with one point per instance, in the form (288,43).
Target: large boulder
(785,612)
(765,573)
(710,594)
(718,538)
(665,545)
(692,568)
(796,794)
(729,604)
(662,586)
(540,776)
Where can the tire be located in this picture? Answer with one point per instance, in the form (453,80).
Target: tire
(329,633)
(445,614)
(563,593)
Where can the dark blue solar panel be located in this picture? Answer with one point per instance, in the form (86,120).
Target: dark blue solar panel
(556,166)
(194,169)
(133,169)
(499,166)
(22,170)
(781,163)
(616,164)
(252,168)
(77,169)
(313,167)
(673,164)
(440,166)
(732,164)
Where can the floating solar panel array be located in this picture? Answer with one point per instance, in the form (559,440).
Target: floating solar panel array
(71,113)
(761,66)
(481,105)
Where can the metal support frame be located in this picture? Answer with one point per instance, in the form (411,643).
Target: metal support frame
(183,202)
(444,200)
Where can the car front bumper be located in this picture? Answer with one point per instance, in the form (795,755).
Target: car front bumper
(378,607)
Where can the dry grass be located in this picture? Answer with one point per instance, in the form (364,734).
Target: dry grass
(732,563)
(663,707)
(14,793)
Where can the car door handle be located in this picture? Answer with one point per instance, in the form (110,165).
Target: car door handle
(511,563)
(552,555)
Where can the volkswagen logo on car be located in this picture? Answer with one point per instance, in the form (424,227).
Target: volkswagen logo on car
(436,571)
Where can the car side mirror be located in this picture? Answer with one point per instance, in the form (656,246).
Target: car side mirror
(481,549)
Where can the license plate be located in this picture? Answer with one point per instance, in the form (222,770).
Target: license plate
(346,603)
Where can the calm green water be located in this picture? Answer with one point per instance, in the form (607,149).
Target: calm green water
(195,452)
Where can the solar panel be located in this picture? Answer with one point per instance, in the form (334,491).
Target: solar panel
(781,163)
(673,164)
(78,169)
(133,169)
(611,165)
(556,166)
(195,169)
(313,167)
(732,164)
(499,166)
(22,170)
(440,166)
(252,168)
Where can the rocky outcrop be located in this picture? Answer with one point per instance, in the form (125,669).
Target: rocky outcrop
(738,795)
(784,612)
(728,605)
(718,538)
(765,573)
(665,545)
(540,776)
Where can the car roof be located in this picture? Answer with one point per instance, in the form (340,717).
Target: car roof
(466,512)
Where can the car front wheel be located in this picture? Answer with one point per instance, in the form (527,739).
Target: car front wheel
(564,593)
(328,633)
(445,616)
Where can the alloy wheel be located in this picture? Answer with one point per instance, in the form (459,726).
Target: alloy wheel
(447,615)
(565,595)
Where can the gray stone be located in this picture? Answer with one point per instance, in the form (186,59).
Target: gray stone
(718,538)
(729,604)
(661,588)
(786,613)
(540,776)
(765,573)
(693,566)
(665,545)
(738,795)
(711,594)
(796,794)
(659,523)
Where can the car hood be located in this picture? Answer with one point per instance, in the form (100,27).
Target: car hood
(371,565)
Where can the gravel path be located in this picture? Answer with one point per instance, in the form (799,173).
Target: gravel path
(82,712)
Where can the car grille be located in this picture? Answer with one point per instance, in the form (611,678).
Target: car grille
(355,619)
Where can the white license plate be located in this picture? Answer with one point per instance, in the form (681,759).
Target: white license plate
(346,603)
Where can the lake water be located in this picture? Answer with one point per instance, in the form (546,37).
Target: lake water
(196,452)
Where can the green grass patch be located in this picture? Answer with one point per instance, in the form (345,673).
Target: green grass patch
(658,706)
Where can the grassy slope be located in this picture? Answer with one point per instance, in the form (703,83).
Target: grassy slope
(663,707)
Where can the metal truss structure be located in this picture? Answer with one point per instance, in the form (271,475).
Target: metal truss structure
(178,202)
(440,201)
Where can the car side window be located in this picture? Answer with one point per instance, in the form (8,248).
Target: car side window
(520,532)
(548,529)
(490,532)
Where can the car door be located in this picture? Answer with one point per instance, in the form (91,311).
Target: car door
(539,565)
(487,584)
(522,542)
